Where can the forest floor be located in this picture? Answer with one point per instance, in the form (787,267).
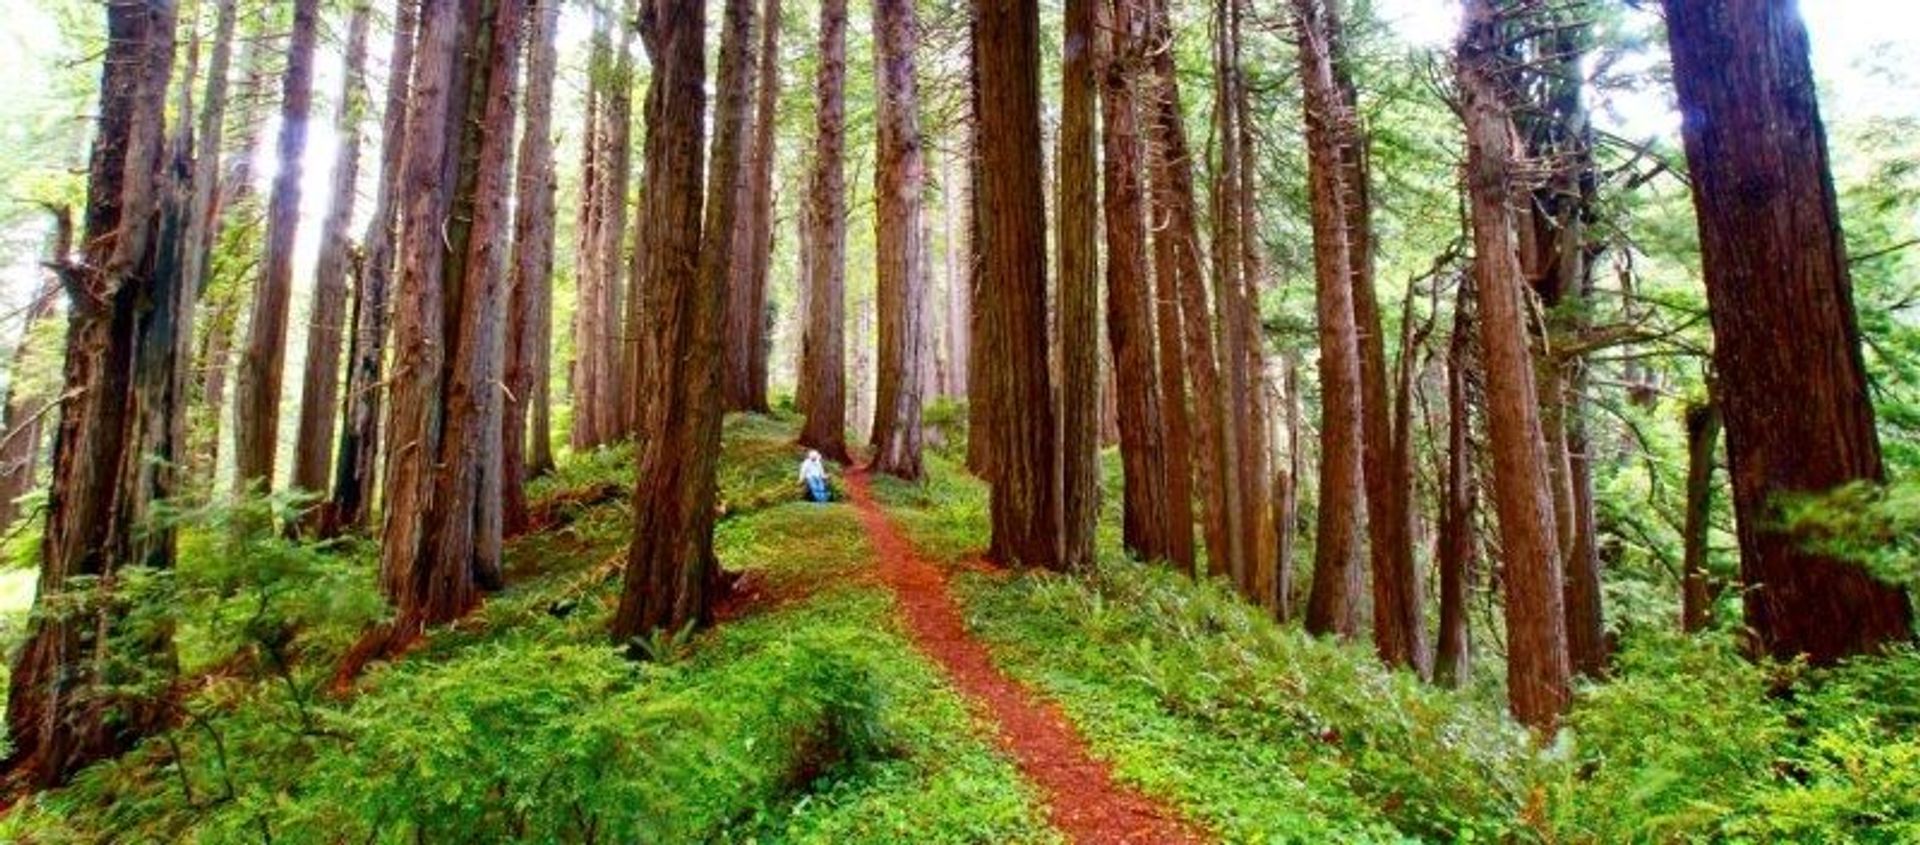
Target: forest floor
(1083,799)
(870,681)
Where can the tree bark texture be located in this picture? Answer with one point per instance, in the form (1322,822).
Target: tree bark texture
(1333,605)
(824,344)
(1790,380)
(1537,663)
(1013,297)
(1079,295)
(257,395)
(121,405)
(1143,459)
(672,577)
(748,322)
(905,330)
(320,389)
(529,332)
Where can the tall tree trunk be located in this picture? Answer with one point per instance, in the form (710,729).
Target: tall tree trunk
(1398,629)
(529,333)
(1553,254)
(1079,299)
(1145,511)
(1333,606)
(1537,664)
(68,700)
(202,208)
(1228,256)
(257,397)
(320,391)
(1790,381)
(1177,266)
(359,452)
(900,277)
(1700,591)
(747,323)
(1453,664)
(234,223)
(589,316)
(441,539)
(824,344)
(1013,296)
(672,576)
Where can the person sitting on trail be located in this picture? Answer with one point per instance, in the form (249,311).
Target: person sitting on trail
(813,473)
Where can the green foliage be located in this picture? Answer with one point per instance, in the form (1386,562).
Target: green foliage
(808,719)
(1695,743)
(1876,526)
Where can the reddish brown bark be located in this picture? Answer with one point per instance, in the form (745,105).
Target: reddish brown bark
(1333,605)
(121,407)
(529,312)
(672,577)
(1143,458)
(747,318)
(442,534)
(1237,413)
(1789,377)
(1079,294)
(824,343)
(1177,263)
(256,419)
(1537,665)
(905,331)
(1011,214)
(358,455)
(320,389)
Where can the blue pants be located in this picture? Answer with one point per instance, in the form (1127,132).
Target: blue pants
(817,490)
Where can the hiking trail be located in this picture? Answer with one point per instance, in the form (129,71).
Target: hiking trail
(1083,800)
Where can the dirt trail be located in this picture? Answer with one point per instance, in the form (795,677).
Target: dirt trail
(1083,799)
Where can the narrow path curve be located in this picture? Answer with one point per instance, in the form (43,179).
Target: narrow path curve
(1083,799)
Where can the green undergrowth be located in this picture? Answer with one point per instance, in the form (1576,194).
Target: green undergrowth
(1267,735)
(806,717)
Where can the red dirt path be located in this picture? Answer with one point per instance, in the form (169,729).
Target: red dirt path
(1083,799)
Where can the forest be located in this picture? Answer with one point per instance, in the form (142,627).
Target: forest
(959,421)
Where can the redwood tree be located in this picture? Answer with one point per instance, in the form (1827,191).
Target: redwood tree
(1177,265)
(257,396)
(529,312)
(672,576)
(1145,510)
(441,544)
(905,331)
(747,342)
(1790,381)
(1333,606)
(823,345)
(1079,302)
(1537,664)
(1010,213)
(320,392)
(71,695)
(359,451)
